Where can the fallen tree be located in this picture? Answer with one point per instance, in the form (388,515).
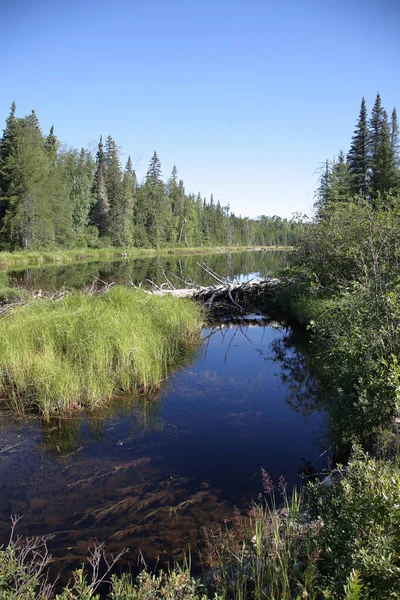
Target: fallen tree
(224,297)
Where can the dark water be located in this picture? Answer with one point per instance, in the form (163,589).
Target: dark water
(150,473)
(236,265)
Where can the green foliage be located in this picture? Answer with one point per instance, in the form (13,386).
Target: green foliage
(352,256)
(51,197)
(178,583)
(59,356)
(361,527)
(357,341)
(354,587)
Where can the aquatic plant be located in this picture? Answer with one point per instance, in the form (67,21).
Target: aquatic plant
(77,352)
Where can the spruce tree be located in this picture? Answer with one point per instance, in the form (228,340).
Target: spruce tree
(51,145)
(395,147)
(28,221)
(157,216)
(122,216)
(7,146)
(99,214)
(341,179)
(382,159)
(358,157)
(113,177)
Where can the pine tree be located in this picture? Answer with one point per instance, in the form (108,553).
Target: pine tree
(358,157)
(99,215)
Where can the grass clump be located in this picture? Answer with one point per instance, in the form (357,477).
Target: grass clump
(78,351)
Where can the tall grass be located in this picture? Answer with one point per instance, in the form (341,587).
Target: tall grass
(77,352)
(271,554)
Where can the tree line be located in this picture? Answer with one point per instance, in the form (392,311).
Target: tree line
(371,168)
(53,197)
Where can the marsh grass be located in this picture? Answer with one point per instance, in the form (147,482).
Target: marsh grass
(269,554)
(57,356)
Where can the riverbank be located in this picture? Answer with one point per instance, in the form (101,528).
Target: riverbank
(76,352)
(21,258)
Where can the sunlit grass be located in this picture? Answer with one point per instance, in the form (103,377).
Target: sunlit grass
(77,352)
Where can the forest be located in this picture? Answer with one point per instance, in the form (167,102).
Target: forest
(53,197)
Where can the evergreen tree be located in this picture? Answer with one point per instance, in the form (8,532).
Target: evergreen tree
(51,145)
(122,218)
(358,157)
(113,176)
(395,147)
(7,145)
(341,179)
(394,138)
(78,172)
(383,172)
(28,220)
(158,206)
(324,193)
(99,215)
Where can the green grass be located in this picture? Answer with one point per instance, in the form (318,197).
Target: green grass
(77,352)
(21,258)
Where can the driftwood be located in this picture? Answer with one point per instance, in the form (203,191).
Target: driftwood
(225,297)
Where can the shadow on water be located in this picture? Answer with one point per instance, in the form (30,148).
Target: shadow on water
(149,473)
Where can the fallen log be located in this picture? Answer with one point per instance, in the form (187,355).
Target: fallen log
(226,298)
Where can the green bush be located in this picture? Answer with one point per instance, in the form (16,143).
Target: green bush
(360,512)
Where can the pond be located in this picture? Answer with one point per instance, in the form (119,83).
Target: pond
(150,473)
(177,268)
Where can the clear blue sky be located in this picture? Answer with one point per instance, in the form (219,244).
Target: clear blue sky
(246,98)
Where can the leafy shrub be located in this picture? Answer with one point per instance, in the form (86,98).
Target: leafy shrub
(361,525)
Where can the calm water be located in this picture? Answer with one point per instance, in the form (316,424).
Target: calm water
(236,265)
(150,473)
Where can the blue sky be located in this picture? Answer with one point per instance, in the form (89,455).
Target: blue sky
(247,99)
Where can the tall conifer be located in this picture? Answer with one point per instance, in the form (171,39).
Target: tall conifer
(99,215)
(358,157)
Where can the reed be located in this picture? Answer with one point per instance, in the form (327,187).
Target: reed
(77,352)
(269,554)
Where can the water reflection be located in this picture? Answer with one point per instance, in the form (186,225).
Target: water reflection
(239,265)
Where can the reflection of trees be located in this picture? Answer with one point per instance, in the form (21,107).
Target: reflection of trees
(80,275)
(296,372)
(64,436)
